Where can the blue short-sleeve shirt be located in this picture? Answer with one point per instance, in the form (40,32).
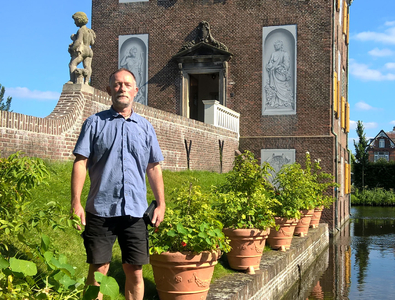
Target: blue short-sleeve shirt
(118,153)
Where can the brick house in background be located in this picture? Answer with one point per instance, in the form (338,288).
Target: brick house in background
(280,66)
(382,146)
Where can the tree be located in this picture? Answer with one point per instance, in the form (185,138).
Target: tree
(7,104)
(361,154)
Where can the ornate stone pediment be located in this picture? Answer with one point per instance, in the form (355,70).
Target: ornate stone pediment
(204,46)
(202,52)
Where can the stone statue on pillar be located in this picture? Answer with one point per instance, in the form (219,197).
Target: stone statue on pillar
(80,50)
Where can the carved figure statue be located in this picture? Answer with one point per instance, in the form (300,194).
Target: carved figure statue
(80,49)
(134,63)
(278,90)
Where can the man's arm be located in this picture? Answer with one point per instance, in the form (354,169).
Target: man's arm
(77,183)
(154,173)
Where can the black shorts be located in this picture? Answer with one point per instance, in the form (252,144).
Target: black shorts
(100,234)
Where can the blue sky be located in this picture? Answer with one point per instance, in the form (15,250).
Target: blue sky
(34,60)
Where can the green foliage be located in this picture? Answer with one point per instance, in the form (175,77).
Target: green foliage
(190,226)
(299,188)
(361,158)
(30,266)
(246,198)
(380,174)
(240,212)
(373,197)
(361,155)
(321,183)
(247,176)
(7,104)
(18,175)
(58,190)
(291,191)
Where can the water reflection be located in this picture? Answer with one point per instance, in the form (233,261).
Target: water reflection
(359,262)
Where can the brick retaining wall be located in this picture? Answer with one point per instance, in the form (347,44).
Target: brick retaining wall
(54,136)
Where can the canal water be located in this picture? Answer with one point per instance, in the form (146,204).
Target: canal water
(358,264)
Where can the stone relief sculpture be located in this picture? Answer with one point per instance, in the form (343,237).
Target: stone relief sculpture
(133,61)
(279,70)
(80,50)
(277,158)
(133,55)
(277,161)
(204,36)
(278,90)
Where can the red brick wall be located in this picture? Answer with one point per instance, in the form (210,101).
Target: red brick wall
(54,137)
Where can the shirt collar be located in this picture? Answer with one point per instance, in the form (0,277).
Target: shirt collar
(116,114)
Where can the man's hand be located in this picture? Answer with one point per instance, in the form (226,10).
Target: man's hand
(159,214)
(77,183)
(77,211)
(154,173)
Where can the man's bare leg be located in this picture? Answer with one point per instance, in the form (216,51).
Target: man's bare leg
(102,268)
(134,285)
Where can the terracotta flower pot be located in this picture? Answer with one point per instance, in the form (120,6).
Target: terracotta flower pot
(315,219)
(247,248)
(302,228)
(183,276)
(281,239)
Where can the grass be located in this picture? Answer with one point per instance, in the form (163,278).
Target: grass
(70,241)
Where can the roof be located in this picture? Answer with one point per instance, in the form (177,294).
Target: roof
(390,135)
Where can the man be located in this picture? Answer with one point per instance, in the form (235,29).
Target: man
(118,147)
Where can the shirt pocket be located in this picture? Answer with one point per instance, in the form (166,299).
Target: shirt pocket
(104,142)
(138,146)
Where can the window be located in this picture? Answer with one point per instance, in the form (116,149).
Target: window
(381,155)
(381,143)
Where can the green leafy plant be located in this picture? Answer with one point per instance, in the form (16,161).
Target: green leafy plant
(291,191)
(190,226)
(245,200)
(30,266)
(298,189)
(320,182)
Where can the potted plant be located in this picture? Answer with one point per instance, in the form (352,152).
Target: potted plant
(290,193)
(322,184)
(186,246)
(244,204)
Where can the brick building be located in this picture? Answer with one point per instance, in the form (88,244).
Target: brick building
(281,64)
(382,146)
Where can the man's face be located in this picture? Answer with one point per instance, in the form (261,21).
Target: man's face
(122,90)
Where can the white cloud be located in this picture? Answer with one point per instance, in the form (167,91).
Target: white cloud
(386,37)
(370,125)
(390,65)
(353,124)
(364,73)
(392,122)
(381,52)
(23,92)
(364,106)
(390,23)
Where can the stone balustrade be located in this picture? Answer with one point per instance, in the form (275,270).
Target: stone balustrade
(221,116)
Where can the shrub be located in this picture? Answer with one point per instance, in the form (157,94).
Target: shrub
(245,200)
(30,267)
